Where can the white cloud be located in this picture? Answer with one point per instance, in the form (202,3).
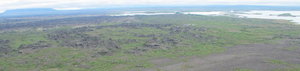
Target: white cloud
(67,8)
(1,11)
(65,4)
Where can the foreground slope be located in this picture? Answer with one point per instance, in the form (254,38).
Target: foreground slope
(133,43)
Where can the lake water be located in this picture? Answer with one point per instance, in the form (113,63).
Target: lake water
(214,13)
(272,15)
(241,14)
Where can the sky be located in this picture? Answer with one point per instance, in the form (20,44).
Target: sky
(79,4)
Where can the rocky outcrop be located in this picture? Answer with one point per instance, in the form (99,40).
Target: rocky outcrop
(30,48)
(135,25)
(4,47)
(38,45)
(182,29)
(155,43)
(76,38)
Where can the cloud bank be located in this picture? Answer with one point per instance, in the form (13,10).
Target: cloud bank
(78,4)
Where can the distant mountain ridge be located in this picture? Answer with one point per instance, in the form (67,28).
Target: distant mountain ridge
(20,12)
(50,11)
(46,12)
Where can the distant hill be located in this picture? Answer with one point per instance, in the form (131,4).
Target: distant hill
(23,12)
(47,12)
(286,15)
(50,11)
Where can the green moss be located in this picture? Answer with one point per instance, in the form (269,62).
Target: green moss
(242,69)
(290,66)
(292,48)
(20,38)
(274,61)
(222,32)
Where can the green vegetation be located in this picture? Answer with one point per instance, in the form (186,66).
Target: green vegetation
(292,48)
(290,66)
(287,15)
(242,69)
(117,44)
(19,38)
(273,61)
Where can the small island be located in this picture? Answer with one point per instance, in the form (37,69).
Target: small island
(286,15)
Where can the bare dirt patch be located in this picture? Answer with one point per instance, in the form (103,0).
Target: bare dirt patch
(249,56)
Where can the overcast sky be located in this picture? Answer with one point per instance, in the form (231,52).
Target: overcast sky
(77,4)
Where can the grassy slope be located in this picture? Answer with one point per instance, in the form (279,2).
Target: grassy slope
(229,32)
